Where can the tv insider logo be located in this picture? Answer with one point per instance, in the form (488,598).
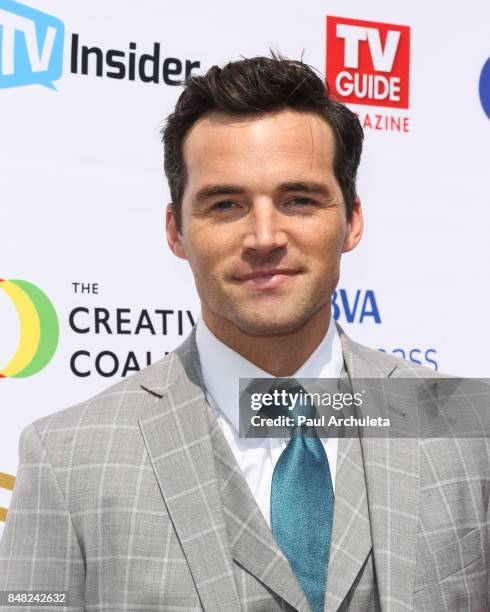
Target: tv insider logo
(39,329)
(32,45)
(368,63)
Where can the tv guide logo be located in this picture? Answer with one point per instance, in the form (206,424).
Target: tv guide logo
(368,62)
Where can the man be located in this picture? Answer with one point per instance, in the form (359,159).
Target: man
(146,498)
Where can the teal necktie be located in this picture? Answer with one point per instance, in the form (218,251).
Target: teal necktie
(302,503)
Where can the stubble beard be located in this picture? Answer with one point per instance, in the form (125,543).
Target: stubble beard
(265,321)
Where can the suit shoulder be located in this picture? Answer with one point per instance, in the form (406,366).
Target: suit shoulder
(121,403)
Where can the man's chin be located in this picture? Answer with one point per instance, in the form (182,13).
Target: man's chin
(270,326)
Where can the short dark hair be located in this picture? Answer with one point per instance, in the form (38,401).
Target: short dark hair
(257,86)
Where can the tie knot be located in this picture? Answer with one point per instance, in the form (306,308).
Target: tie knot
(293,401)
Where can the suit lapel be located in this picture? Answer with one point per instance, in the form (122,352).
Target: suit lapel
(392,472)
(252,543)
(351,536)
(178,442)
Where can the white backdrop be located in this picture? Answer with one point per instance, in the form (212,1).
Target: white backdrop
(83,193)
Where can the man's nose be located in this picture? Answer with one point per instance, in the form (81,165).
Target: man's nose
(265,231)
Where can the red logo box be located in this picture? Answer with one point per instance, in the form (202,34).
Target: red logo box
(368,62)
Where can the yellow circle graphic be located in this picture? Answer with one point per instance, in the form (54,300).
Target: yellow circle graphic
(39,329)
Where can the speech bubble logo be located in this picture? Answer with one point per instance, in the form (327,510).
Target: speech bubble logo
(31,46)
(39,329)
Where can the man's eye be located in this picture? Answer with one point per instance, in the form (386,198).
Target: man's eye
(224,205)
(301,201)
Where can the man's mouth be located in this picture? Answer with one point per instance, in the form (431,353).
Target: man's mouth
(268,279)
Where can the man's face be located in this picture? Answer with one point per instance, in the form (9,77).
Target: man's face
(261,196)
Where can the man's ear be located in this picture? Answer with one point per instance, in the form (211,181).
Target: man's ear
(174,237)
(355,226)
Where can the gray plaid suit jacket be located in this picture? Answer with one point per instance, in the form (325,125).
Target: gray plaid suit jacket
(133,500)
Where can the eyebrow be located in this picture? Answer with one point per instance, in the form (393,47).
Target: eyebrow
(210,191)
(312,187)
(307,187)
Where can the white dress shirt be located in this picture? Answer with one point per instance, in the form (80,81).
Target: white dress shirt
(221,369)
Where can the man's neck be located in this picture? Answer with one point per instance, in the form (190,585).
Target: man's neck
(280,355)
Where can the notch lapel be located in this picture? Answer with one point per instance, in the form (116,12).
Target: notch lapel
(178,442)
(392,471)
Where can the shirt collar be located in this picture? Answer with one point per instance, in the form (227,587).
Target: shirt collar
(222,367)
